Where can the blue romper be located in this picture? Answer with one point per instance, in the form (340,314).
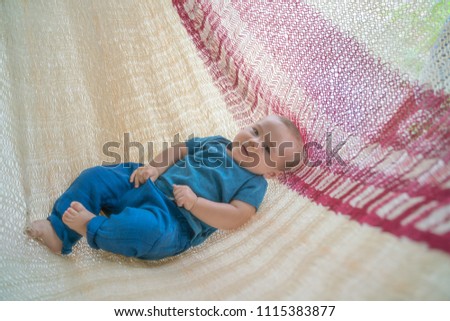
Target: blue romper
(145,222)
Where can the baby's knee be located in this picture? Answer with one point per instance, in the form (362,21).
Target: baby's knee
(93,173)
(93,170)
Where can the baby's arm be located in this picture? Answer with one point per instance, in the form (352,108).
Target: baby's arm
(159,164)
(219,215)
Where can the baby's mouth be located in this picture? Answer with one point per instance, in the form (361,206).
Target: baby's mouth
(244,150)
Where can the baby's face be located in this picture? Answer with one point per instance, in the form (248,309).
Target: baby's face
(265,147)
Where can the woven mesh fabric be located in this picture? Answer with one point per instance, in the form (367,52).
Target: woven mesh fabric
(77,75)
(336,82)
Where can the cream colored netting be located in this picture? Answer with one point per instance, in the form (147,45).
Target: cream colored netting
(77,74)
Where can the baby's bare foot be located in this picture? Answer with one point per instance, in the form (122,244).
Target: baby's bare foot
(77,217)
(42,231)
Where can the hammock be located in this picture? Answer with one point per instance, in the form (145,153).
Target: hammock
(366,217)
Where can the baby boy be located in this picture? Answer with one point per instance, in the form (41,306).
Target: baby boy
(185,194)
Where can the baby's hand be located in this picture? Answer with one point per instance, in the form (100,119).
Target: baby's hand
(184,196)
(142,174)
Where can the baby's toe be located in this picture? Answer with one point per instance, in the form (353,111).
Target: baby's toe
(77,206)
(71,212)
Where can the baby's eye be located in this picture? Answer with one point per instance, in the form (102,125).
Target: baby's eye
(255,131)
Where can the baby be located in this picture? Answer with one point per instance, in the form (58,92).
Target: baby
(178,200)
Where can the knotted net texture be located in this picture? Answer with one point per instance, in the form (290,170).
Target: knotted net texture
(77,75)
(375,115)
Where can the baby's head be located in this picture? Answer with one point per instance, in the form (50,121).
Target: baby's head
(270,146)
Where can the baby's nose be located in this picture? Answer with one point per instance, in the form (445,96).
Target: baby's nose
(253,144)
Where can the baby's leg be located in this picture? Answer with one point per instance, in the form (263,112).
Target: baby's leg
(135,232)
(96,188)
(146,225)
(42,230)
(150,227)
